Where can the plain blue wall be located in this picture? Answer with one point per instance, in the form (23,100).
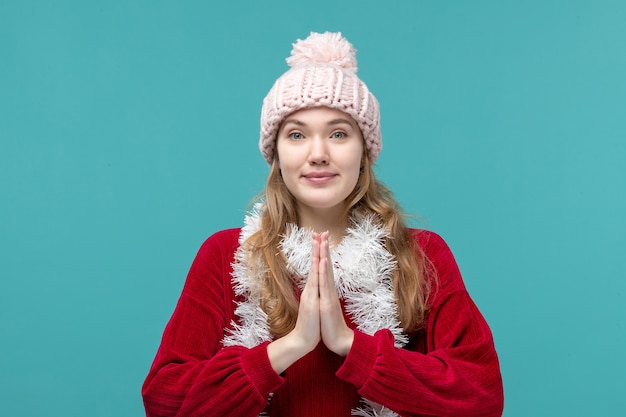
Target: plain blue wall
(128,134)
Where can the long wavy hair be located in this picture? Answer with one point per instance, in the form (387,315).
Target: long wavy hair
(411,285)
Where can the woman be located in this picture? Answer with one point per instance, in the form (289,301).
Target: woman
(324,303)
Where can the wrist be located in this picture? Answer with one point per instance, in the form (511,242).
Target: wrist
(283,352)
(350,341)
(346,343)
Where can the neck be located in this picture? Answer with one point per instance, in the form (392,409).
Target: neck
(334,220)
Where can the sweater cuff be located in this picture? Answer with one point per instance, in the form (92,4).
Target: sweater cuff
(359,362)
(259,369)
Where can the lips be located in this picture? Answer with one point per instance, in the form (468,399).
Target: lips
(319,174)
(319,177)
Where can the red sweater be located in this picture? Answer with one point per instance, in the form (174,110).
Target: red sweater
(448,369)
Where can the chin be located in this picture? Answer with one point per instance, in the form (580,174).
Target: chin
(324,205)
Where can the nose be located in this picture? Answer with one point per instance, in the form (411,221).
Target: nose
(318,154)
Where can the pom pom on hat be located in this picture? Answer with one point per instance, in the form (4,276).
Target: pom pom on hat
(323,74)
(326,48)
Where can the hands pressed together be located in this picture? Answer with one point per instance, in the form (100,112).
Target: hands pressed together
(319,316)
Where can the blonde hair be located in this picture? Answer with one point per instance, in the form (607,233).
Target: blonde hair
(411,286)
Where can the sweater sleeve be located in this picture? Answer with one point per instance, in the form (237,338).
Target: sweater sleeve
(192,373)
(459,375)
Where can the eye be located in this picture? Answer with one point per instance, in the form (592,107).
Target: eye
(338,135)
(296,136)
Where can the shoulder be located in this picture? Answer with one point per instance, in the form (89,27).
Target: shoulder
(224,236)
(210,269)
(224,242)
(432,244)
(439,258)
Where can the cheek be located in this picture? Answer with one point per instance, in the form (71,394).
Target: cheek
(352,168)
(286,154)
(278,153)
(288,168)
(355,161)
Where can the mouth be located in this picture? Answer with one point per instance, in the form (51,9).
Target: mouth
(319,177)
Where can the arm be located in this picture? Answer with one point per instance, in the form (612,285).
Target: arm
(459,374)
(192,374)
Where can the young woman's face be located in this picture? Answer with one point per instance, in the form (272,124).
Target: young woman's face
(319,154)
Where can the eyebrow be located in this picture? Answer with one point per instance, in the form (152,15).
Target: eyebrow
(339,121)
(330,123)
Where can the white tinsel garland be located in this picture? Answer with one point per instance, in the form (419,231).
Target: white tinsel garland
(362,269)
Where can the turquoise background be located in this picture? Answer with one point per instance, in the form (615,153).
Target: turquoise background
(128,134)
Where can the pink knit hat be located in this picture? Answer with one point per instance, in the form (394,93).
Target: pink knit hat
(323,73)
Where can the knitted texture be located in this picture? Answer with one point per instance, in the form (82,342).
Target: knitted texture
(323,74)
(450,368)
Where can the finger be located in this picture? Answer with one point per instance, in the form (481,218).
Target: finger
(325,265)
(307,329)
(336,334)
(322,268)
(315,251)
(313,278)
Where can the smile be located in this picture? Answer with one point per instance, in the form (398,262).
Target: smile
(319,177)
